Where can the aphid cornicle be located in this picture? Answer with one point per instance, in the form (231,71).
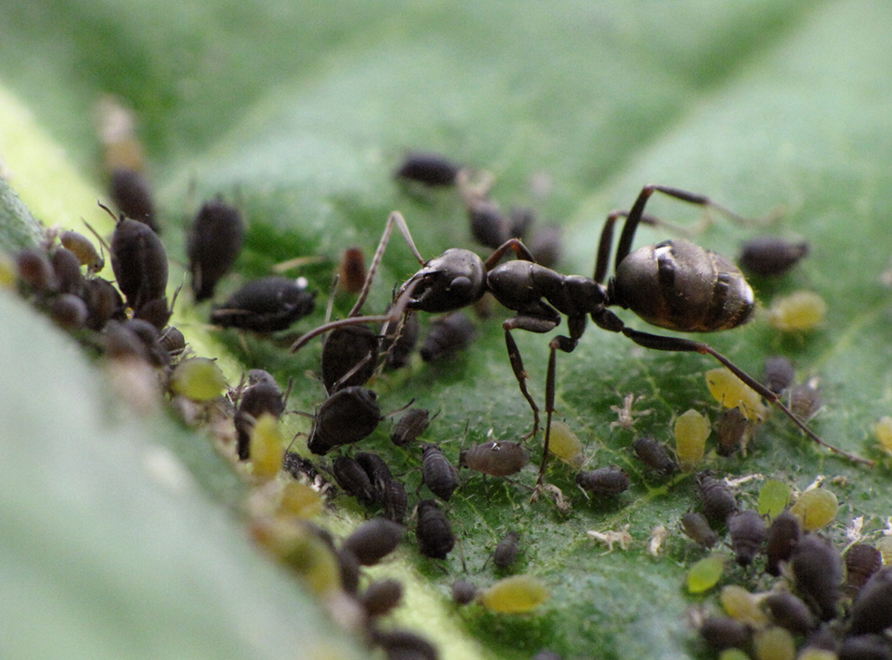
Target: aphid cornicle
(604,481)
(374,540)
(747,530)
(817,569)
(433,531)
(780,541)
(215,240)
(347,416)
(266,305)
(412,424)
(497,459)
(438,473)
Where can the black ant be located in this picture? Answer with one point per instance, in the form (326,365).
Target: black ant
(675,285)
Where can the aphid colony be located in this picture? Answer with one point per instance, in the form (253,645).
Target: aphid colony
(61,278)
(840,602)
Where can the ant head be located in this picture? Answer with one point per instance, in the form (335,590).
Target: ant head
(453,280)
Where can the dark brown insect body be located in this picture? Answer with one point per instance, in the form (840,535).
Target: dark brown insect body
(654,455)
(433,531)
(437,472)
(374,540)
(781,539)
(215,240)
(872,609)
(768,256)
(698,529)
(862,561)
(411,425)
(717,499)
(131,194)
(733,426)
(139,263)
(427,169)
(448,335)
(261,396)
(347,416)
(506,551)
(747,531)
(265,305)
(354,480)
(790,612)
(498,459)
(351,348)
(604,481)
(779,373)
(463,592)
(381,597)
(725,633)
(817,568)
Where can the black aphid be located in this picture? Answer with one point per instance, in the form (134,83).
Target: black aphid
(299,467)
(68,311)
(261,396)
(354,480)
(377,469)
(716,498)
(437,472)
(412,424)
(104,303)
(872,610)
(343,351)
(865,647)
(396,501)
(698,529)
(448,335)
(489,225)
(347,416)
(790,612)
(805,400)
(215,240)
(139,263)
(778,374)
(768,256)
(35,270)
(817,569)
(733,426)
(604,481)
(498,459)
(724,633)
(433,531)
(546,246)
(781,539)
(507,550)
(374,540)
(67,268)
(463,592)
(862,561)
(173,341)
(404,645)
(349,568)
(266,305)
(131,194)
(747,530)
(654,455)
(381,597)
(427,169)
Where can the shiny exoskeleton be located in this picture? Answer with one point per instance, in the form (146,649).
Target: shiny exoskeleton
(265,305)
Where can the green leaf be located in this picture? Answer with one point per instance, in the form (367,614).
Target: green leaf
(300,111)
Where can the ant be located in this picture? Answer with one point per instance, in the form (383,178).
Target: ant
(675,285)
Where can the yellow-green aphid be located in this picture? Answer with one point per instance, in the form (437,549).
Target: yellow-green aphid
(8,271)
(815,508)
(198,379)
(773,498)
(814,653)
(883,431)
(884,545)
(564,444)
(740,604)
(691,431)
(731,392)
(774,644)
(267,447)
(315,562)
(83,249)
(705,574)
(299,501)
(799,312)
(733,654)
(514,595)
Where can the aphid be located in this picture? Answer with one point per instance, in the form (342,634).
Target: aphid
(433,531)
(507,550)
(374,540)
(412,424)
(604,481)
(215,240)
(427,169)
(740,604)
(654,455)
(354,480)
(267,447)
(722,632)
(261,396)
(862,561)
(266,305)
(131,194)
(801,311)
(788,611)
(35,270)
(546,246)
(705,574)
(404,645)
(805,400)
(780,541)
(514,595)
(198,379)
(565,444)
(399,339)
(815,508)
(872,608)
(104,303)
(773,498)
(68,311)
(86,252)
(139,263)
(883,432)
(378,471)
(716,498)
(731,392)
(67,268)
(817,569)
(463,592)
(698,529)
(349,568)
(299,467)
(497,459)
(173,341)
(349,357)
(733,427)
(778,374)
(520,221)
(352,270)
(747,530)
(489,225)
(612,536)
(774,644)
(347,416)
(149,336)
(865,647)
(768,256)
(691,431)
(396,501)
(437,472)
(448,335)
(381,597)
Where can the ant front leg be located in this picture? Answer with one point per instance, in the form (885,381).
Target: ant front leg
(675,344)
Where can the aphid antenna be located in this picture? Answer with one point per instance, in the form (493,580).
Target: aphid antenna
(331,293)
(399,410)
(298,262)
(102,243)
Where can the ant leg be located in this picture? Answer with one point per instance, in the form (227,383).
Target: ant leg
(606,240)
(661,343)
(513,244)
(396,218)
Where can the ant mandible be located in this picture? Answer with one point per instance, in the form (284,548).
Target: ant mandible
(675,285)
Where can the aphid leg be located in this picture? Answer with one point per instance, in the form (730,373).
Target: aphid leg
(677,344)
